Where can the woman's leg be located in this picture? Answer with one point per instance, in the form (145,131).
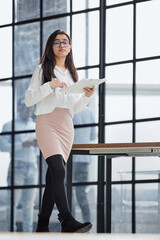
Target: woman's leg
(48,198)
(58,192)
(47,205)
(56,167)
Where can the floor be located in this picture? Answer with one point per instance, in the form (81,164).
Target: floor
(76,236)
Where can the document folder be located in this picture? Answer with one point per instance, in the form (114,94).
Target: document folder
(78,86)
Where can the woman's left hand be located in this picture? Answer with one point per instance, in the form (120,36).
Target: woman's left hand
(89,91)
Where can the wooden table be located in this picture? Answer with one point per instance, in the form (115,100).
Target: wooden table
(112,150)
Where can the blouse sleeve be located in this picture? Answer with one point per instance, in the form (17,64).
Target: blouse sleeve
(36,92)
(80,103)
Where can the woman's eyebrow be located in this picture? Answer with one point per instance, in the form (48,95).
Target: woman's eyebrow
(61,39)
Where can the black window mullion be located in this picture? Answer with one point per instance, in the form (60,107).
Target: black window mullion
(13,123)
(134,119)
(101,130)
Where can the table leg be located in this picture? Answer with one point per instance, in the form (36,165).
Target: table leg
(108,193)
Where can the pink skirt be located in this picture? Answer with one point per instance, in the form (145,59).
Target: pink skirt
(55,132)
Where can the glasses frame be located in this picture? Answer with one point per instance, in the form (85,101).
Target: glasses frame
(60,43)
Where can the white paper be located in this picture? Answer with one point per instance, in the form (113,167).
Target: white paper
(78,86)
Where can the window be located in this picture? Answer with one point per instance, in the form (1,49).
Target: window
(114,39)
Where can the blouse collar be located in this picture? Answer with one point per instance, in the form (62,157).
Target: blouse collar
(66,71)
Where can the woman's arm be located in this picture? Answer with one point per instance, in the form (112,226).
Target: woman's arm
(36,92)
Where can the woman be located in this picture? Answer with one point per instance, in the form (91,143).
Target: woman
(54,127)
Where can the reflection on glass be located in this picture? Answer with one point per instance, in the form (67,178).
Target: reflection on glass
(148,131)
(84,204)
(6,52)
(4,210)
(24,116)
(5,150)
(52,25)
(5,12)
(25,211)
(86,116)
(121,169)
(84,168)
(20,108)
(5,97)
(84,4)
(119,34)
(51,7)
(148,38)
(44,170)
(118,133)
(110,2)
(26,156)
(147,89)
(84,135)
(121,209)
(147,168)
(147,210)
(27,50)
(86,42)
(119,92)
(25,10)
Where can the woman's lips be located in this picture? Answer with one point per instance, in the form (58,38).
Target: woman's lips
(61,50)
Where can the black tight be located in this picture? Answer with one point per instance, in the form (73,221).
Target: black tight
(55,187)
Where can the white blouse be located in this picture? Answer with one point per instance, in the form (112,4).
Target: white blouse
(47,99)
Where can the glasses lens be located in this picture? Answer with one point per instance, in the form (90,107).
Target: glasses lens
(65,43)
(57,43)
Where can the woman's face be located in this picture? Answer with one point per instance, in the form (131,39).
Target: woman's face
(61,46)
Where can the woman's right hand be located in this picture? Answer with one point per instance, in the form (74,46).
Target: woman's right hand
(57,83)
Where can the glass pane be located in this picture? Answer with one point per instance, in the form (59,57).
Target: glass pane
(52,25)
(118,133)
(5,158)
(5,12)
(4,210)
(119,34)
(84,4)
(25,212)
(148,37)
(44,170)
(6,112)
(84,205)
(86,116)
(147,168)
(121,209)
(121,169)
(86,40)
(119,93)
(27,48)
(84,168)
(25,10)
(88,73)
(26,156)
(110,2)
(147,208)
(91,73)
(51,7)
(24,116)
(147,89)
(148,131)
(6,52)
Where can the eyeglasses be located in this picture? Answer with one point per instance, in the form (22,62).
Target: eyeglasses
(58,43)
